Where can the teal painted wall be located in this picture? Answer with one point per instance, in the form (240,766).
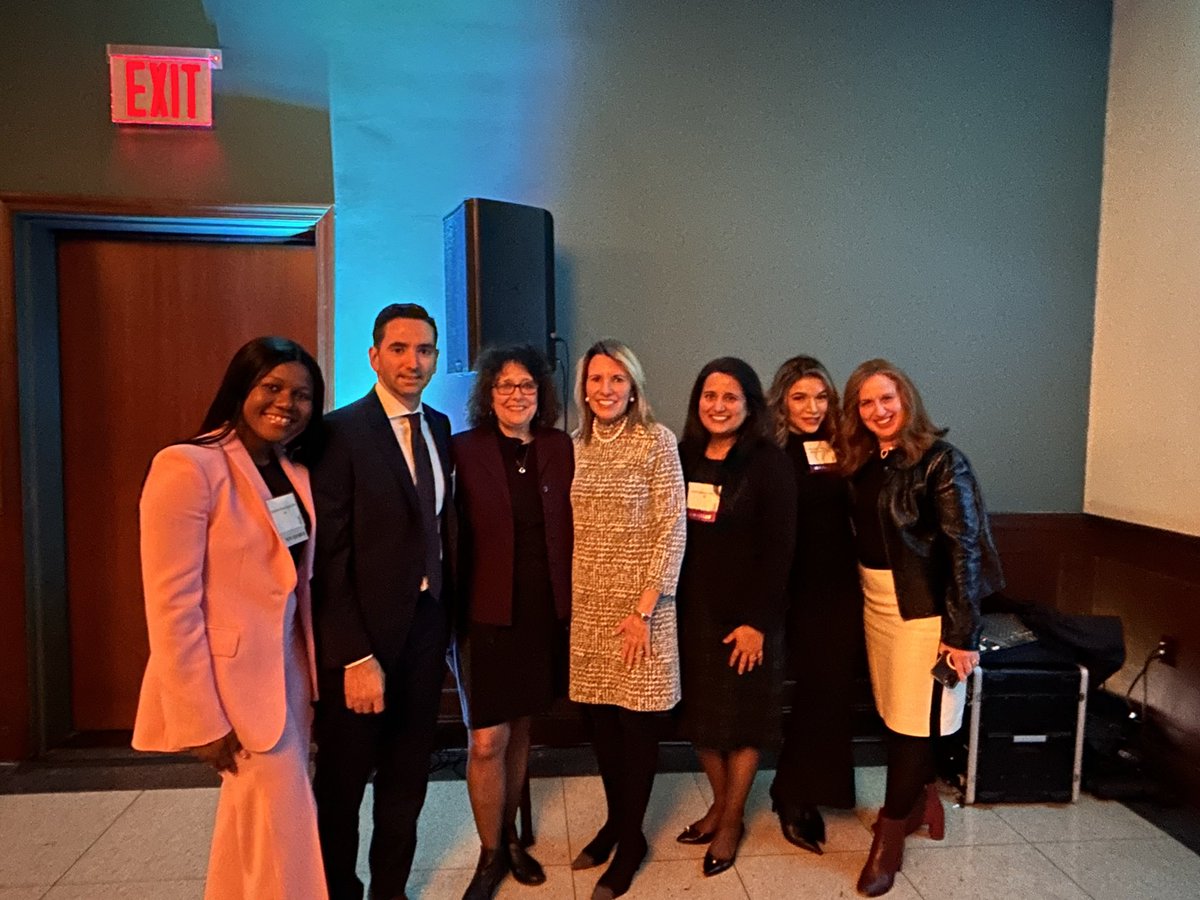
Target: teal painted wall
(918,180)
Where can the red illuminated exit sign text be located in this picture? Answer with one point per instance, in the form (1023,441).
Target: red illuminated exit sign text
(161,85)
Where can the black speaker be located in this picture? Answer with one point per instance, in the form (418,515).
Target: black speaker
(499,279)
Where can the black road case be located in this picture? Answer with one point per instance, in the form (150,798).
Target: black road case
(1024,734)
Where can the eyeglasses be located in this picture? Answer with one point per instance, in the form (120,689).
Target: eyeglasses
(505,388)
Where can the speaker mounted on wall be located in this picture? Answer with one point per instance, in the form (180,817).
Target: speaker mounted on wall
(499,261)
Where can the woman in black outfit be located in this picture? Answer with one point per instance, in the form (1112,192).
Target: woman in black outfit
(926,561)
(740,536)
(513,482)
(824,620)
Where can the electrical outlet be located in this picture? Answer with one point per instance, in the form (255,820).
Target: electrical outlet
(1168,649)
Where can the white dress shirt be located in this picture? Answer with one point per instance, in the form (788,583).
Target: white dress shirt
(396,411)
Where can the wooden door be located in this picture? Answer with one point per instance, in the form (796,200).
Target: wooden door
(146,330)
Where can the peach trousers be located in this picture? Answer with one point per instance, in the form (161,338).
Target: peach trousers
(265,844)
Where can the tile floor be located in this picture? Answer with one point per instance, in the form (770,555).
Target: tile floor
(152,845)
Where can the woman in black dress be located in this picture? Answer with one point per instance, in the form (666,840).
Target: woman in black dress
(741,533)
(926,560)
(824,621)
(513,481)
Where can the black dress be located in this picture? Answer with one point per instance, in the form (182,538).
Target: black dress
(735,573)
(509,671)
(824,643)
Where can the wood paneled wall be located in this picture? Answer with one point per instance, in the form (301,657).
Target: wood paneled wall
(1147,577)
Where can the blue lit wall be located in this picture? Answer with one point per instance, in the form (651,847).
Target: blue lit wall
(915,180)
(919,180)
(428,109)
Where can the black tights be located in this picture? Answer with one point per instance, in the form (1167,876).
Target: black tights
(910,764)
(626,745)
(909,769)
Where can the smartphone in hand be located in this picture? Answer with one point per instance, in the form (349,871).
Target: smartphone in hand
(944,672)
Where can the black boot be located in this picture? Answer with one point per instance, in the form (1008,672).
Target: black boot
(489,872)
(805,830)
(525,869)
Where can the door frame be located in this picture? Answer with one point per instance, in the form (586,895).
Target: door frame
(35,683)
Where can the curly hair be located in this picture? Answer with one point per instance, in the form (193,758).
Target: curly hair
(480,408)
(695,435)
(787,375)
(917,433)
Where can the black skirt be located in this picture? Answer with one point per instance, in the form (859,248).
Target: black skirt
(509,671)
(722,710)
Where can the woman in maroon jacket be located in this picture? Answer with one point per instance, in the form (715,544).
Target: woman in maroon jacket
(513,483)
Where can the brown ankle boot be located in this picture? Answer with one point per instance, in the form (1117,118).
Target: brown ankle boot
(885,859)
(928,811)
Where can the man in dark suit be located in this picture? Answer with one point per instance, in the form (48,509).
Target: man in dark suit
(381,598)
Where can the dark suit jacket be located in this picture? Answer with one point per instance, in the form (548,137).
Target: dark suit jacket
(485,520)
(369,558)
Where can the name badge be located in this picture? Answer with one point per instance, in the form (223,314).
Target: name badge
(821,454)
(285,512)
(702,501)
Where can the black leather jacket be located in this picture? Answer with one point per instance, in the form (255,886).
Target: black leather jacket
(939,543)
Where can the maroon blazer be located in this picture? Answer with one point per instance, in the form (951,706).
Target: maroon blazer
(486,543)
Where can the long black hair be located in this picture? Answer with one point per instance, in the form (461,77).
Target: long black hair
(695,435)
(488,366)
(249,365)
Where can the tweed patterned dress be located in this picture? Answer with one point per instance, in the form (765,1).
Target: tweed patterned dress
(629,507)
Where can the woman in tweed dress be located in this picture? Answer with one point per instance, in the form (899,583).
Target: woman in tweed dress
(628,504)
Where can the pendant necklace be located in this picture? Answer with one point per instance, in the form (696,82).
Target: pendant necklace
(524,458)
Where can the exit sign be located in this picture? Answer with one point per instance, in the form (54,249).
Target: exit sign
(161,85)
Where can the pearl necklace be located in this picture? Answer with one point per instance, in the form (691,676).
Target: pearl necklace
(616,434)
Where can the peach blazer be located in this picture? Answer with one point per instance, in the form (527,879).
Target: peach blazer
(217,578)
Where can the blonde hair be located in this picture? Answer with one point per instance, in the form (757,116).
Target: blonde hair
(639,412)
(788,374)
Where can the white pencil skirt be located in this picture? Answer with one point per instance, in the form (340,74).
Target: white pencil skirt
(900,655)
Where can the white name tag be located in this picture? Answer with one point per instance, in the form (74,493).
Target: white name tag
(821,454)
(285,512)
(703,500)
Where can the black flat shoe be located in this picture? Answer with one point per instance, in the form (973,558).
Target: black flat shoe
(597,851)
(617,877)
(715,866)
(525,869)
(489,872)
(806,831)
(693,835)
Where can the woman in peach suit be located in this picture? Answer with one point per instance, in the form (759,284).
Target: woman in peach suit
(226,540)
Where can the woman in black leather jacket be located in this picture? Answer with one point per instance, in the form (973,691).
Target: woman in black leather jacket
(926,560)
